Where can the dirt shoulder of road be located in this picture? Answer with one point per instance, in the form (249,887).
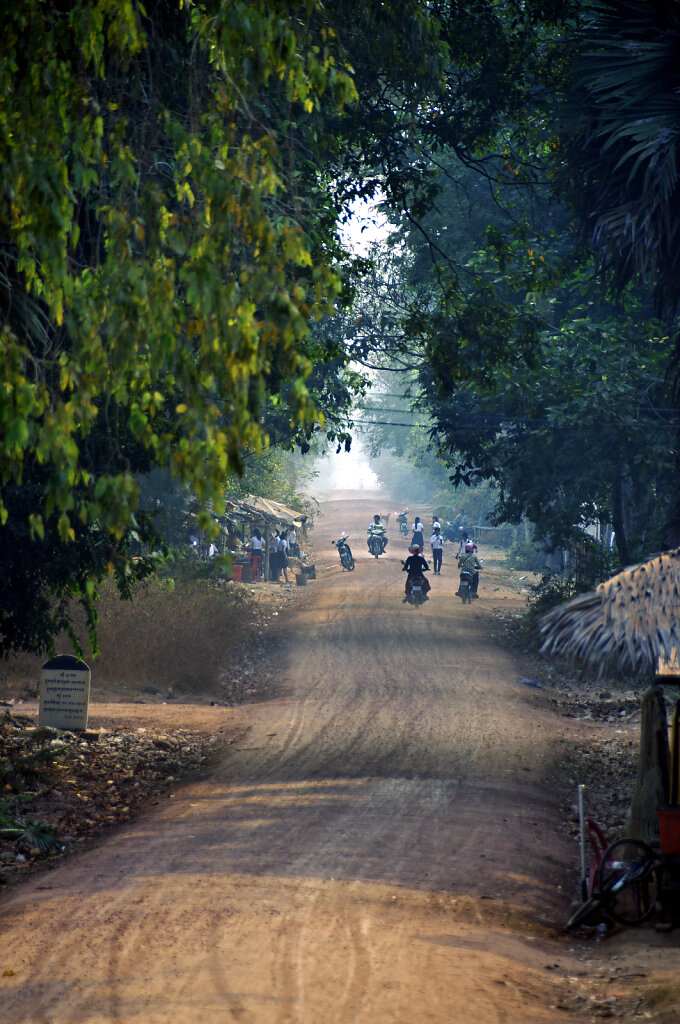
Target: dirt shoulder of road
(77,786)
(631,972)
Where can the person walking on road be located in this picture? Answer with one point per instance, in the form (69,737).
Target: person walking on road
(274,563)
(437,545)
(417,534)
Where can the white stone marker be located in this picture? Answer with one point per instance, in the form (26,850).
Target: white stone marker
(64,693)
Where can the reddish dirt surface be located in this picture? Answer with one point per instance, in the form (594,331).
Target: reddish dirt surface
(383,842)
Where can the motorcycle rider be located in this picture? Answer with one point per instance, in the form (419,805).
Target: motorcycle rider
(377,529)
(469,561)
(465,539)
(415,565)
(460,524)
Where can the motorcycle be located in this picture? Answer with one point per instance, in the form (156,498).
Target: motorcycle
(345,552)
(466,586)
(375,544)
(417,595)
(403,523)
(451,532)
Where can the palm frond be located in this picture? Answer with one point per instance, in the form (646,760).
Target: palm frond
(38,834)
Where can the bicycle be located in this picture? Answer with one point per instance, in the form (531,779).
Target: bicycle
(624,885)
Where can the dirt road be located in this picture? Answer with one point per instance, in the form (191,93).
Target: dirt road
(379,847)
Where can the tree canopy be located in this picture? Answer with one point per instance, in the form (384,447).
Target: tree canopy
(175,294)
(534,377)
(160,261)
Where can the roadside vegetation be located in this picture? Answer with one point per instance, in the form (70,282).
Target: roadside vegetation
(178,296)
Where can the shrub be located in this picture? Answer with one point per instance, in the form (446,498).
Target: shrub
(554,588)
(524,554)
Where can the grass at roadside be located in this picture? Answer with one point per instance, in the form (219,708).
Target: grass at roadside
(197,641)
(181,639)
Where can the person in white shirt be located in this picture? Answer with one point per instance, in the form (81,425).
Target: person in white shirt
(283,554)
(274,564)
(256,545)
(437,544)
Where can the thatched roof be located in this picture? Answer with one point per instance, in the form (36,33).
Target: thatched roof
(632,620)
(277,510)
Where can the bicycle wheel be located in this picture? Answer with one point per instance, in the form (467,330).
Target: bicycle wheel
(628,881)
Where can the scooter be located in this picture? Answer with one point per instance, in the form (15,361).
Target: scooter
(466,587)
(417,595)
(345,552)
(450,532)
(403,522)
(375,544)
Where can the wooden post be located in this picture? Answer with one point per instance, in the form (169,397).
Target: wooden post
(651,785)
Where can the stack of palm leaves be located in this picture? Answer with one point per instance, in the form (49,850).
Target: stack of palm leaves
(631,621)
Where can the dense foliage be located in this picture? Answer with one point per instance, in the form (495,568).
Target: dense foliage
(175,296)
(160,264)
(533,377)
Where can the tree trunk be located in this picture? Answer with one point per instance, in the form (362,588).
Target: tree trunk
(618,519)
(651,785)
(670,533)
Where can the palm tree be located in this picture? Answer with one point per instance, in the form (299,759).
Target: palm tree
(624,158)
(626,150)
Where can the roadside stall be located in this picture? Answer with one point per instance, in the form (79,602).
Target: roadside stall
(244,515)
(283,516)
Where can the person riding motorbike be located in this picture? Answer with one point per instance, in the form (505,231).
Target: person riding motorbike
(465,539)
(460,524)
(402,519)
(377,529)
(468,562)
(415,565)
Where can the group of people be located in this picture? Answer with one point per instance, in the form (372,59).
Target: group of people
(281,544)
(377,528)
(416,564)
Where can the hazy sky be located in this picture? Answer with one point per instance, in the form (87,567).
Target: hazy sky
(346,470)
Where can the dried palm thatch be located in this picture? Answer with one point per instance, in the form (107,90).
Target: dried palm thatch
(631,621)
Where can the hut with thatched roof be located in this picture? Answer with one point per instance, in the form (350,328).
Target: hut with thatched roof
(631,621)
